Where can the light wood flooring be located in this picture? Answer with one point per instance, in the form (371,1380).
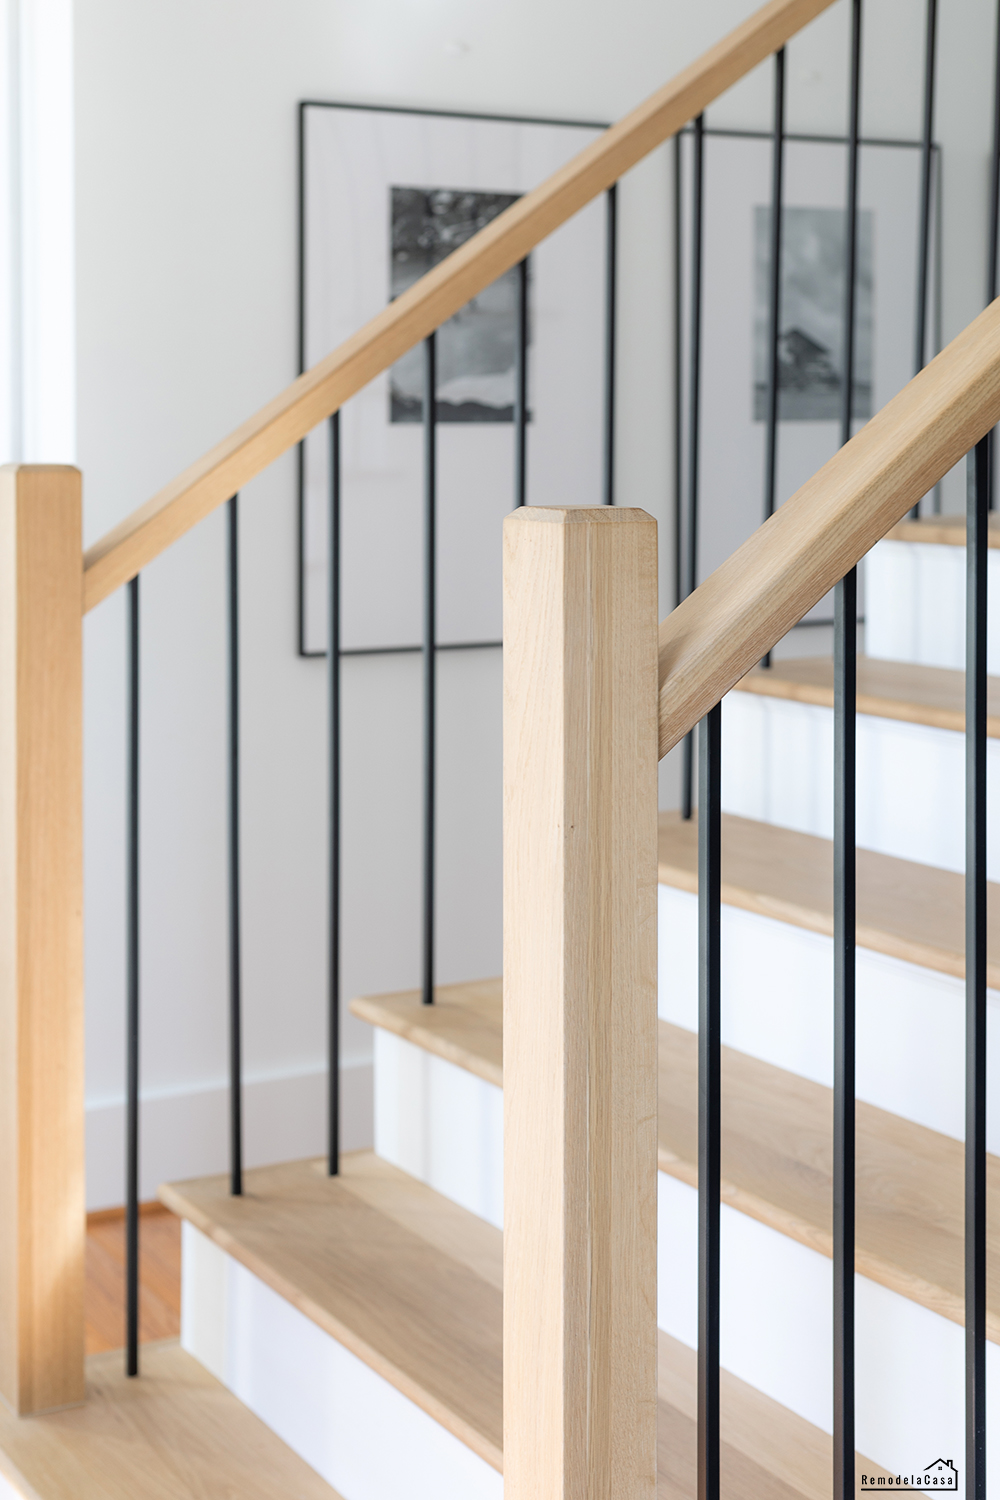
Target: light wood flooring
(174,1433)
(159,1277)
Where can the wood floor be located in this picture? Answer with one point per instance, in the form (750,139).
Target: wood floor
(159,1283)
(174,1434)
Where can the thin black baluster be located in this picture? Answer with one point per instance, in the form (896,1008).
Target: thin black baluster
(844,876)
(844,924)
(430,654)
(774,298)
(678,374)
(235,954)
(132,996)
(994,223)
(926,169)
(709,1094)
(333,751)
(610,331)
(851,227)
(694,413)
(521,388)
(975,974)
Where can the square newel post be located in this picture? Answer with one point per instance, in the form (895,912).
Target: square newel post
(42,1225)
(579,1067)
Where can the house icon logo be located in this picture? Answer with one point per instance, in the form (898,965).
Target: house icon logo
(941,1474)
(938,1476)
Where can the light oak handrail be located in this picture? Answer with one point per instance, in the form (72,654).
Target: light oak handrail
(744,608)
(318,393)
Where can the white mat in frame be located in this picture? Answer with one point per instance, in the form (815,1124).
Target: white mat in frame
(353,158)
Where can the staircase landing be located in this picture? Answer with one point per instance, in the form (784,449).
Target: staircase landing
(175,1433)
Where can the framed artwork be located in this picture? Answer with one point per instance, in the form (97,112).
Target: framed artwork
(385,195)
(736,312)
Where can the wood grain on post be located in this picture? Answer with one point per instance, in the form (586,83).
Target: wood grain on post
(579,1063)
(42,1226)
(433,299)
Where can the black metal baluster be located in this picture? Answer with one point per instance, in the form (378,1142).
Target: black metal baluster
(994,224)
(774,331)
(845,878)
(132,995)
(610,332)
(709,1094)
(521,388)
(678,375)
(975,973)
(926,167)
(333,752)
(844,924)
(694,414)
(430,655)
(235,953)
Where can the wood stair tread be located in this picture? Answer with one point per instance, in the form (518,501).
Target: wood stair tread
(175,1433)
(412,1284)
(934,696)
(777,1155)
(946,531)
(911,911)
(362,1256)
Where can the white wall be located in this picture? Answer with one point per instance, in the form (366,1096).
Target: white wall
(37,323)
(186,285)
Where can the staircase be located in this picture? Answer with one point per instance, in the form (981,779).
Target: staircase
(623,1233)
(408,1281)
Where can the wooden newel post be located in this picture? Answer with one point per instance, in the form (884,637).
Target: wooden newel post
(580,804)
(42,1227)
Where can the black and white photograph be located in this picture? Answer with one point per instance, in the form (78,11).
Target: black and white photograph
(736,313)
(476,348)
(811,324)
(386,196)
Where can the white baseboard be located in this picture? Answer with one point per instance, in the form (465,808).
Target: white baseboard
(186,1134)
(359,1432)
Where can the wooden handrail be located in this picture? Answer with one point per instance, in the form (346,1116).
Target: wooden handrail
(281,424)
(746,606)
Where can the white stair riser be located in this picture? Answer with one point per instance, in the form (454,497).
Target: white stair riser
(441,1124)
(366,1439)
(776,1298)
(777,1005)
(776,1333)
(777,767)
(915,605)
